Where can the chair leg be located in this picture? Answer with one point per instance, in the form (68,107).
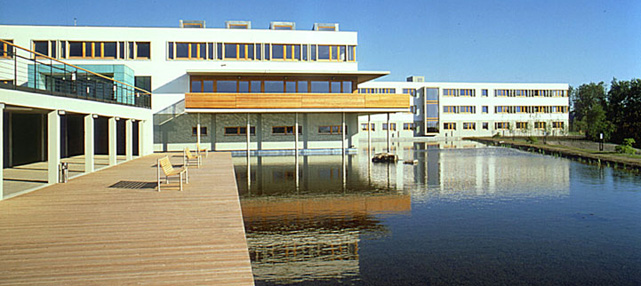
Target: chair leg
(181,181)
(158,175)
(187,176)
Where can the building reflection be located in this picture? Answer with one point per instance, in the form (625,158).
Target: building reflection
(305,223)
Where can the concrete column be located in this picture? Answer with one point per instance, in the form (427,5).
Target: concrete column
(129,139)
(2,150)
(369,136)
(296,151)
(113,143)
(389,140)
(248,134)
(343,168)
(89,143)
(343,132)
(141,138)
(53,139)
(198,134)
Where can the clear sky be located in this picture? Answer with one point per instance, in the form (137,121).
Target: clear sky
(572,41)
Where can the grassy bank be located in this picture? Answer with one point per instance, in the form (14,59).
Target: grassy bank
(580,150)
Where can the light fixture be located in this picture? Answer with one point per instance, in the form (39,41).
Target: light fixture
(61,112)
(94,116)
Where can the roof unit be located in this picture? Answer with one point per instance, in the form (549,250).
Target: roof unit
(415,78)
(192,23)
(282,26)
(238,24)
(325,26)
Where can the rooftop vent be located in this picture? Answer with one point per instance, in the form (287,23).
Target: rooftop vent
(414,78)
(192,23)
(282,26)
(238,24)
(325,26)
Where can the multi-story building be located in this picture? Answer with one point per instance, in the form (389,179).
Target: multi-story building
(232,88)
(447,109)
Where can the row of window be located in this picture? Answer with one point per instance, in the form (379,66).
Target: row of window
(459,109)
(276,130)
(372,127)
(502,125)
(530,109)
(410,91)
(259,51)
(376,90)
(459,92)
(93,49)
(530,93)
(270,86)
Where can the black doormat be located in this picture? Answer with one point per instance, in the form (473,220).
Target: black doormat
(134,185)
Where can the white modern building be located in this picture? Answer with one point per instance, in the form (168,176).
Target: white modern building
(450,109)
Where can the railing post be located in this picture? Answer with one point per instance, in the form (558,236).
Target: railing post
(15,68)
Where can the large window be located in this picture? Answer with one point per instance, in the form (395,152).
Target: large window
(6,50)
(329,129)
(274,84)
(234,51)
(239,130)
(331,53)
(100,50)
(187,50)
(449,126)
(285,130)
(285,52)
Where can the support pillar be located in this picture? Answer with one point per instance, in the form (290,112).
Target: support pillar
(296,151)
(2,150)
(53,139)
(129,139)
(343,169)
(198,134)
(141,138)
(248,133)
(389,140)
(113,143)
(369,136)
(89,143)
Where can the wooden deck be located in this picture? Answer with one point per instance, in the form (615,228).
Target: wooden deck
(85,232)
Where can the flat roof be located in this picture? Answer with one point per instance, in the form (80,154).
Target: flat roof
(361,76)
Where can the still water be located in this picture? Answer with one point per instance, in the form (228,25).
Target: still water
(462,216)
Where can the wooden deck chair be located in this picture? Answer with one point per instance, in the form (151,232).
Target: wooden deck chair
(201,150)
(164,166)
(188,156)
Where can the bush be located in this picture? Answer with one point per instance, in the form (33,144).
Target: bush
(532,140)
(626,147)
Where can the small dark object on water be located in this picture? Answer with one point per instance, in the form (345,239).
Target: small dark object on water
(384,158)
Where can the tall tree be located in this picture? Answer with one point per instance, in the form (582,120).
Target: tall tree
(590,104)
(624,109)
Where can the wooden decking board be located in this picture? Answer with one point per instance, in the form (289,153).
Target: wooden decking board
(84,232)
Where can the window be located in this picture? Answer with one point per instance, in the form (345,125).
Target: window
(96,50)
(392,125)
(239,130)
(238,26)
(485,126)
(41,47)
(469,125)
(351,53)
(449,126)
(413,109)
(239,51)
(410,91)
(188,50)
(521,125)
(364,126)
(459,109)
(143,82)
(501,125)
(285,52)
(539,125)
(557,124)
(203,131)
(484,92)
(484,108)
(285,130)
(331,53)
(143,50)
(409,126)
(330,129)
(6,50)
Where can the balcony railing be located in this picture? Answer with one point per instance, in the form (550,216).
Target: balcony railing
(296,101)
(27,70)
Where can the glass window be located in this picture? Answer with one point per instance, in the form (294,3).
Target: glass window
(278,52)
(335,87)
(296,52)
(302,86)
(182,50)
(272,86)
(121,50)
(255,86)
(290,86)
(324,129)
(250,51)
(88,50)
(226,86)
(53,50)
(210,51)
(320,86)
(170,50)
(350,53)
(347,87)
(230,51)
(219,51)
(110,50)
(201,52)
(267,52)
(242,51)
(131,50)
(196,86)
(243,86)
(259,49)
(143,82)
(342,53)
(41,47)
(305,58)
(143,50)
(96,49)
(323,52)
(208,86)
(75,49)
(313,52)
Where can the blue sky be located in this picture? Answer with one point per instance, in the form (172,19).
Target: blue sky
(574,41)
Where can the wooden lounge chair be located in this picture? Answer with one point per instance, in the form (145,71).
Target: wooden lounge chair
(164,166)
(188,156)
(201,150)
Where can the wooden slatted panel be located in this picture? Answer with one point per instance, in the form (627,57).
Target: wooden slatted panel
(295,100)
(84,232)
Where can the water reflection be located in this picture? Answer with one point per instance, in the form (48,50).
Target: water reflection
(308,223)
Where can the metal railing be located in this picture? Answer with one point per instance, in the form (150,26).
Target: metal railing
(27,70)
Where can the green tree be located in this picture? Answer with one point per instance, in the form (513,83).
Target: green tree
(589,110)
(624,109)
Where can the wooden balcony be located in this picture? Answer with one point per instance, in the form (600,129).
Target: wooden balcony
(398,102)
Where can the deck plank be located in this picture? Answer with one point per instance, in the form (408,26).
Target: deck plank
(86,233)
